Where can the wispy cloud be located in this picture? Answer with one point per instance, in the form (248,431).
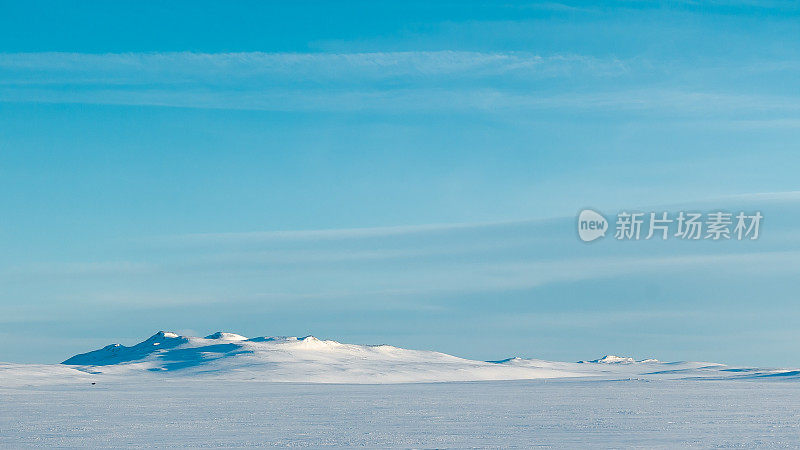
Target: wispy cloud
(234,68)
(421,100)
(334,234)
(378,81)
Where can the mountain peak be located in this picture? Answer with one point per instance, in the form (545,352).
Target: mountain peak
(222,335)
(163,335)
(117,354)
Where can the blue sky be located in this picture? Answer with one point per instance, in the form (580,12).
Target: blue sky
(399,173)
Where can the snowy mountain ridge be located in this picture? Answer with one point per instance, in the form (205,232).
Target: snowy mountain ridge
(304,359)
(229,356)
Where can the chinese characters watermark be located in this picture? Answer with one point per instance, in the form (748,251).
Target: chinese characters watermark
(634,226)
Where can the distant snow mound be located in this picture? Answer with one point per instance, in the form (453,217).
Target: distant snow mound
(515,359)
(614,359)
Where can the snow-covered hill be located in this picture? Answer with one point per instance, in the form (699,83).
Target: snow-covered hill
(229,356)
(306,359)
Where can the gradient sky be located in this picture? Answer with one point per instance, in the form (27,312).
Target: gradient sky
(397,172)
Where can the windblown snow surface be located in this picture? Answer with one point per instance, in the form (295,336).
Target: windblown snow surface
(229,390)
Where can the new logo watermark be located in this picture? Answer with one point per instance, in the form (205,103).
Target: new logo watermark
(634,226)
(591,225)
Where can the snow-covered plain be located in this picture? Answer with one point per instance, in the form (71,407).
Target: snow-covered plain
(227,390)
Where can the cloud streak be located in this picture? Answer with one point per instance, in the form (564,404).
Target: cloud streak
(438,81)
(233,68)
(336,233)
